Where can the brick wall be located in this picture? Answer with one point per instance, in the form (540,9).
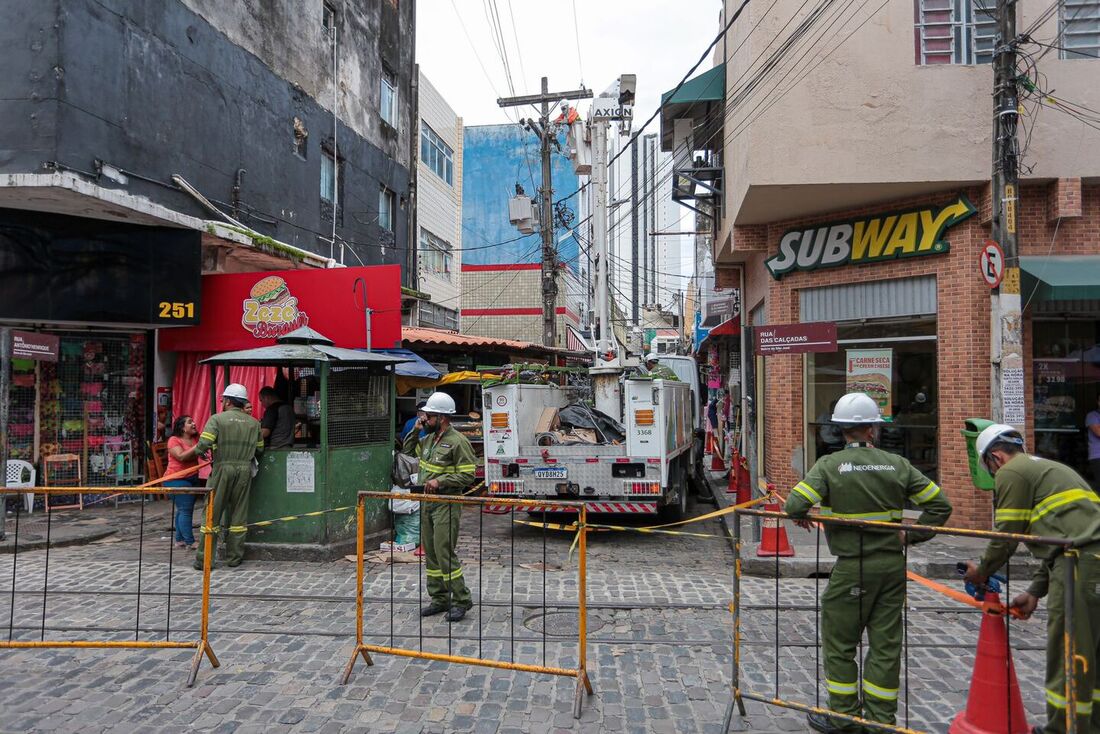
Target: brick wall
(963,325)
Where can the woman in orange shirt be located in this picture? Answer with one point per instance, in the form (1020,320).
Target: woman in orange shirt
(184,435)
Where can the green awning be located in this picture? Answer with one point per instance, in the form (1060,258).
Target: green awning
(710,86)
(1060,277)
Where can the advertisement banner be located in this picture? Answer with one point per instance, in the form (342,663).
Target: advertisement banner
(871,371)
(248,310)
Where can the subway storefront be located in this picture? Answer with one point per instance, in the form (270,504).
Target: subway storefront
(903,286)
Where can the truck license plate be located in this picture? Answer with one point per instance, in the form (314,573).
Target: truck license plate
(553,472)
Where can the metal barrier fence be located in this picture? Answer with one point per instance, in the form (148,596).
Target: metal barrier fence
(740,695)
(456,504)
(201,646)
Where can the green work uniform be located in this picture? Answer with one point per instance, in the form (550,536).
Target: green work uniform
(1042,497)
(868,579)
(661,372)
(238,440)
(448,458)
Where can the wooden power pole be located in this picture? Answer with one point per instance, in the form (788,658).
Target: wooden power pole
(548,139)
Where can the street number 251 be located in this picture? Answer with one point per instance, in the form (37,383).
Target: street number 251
(177,310)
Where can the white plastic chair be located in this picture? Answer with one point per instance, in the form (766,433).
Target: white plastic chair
(16,470)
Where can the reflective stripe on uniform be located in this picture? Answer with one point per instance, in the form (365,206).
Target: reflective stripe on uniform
(433,573)
(807,491)
(214,530)
(451,469)
(207,436)
(1055,501)
(842,689)
(451,576)
(1058,701)
(1011,515)
(238,528)
(926,494)
(885,516)
(886,694)
(1095,695)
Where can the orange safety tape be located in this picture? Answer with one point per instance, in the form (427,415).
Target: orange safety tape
(962,596)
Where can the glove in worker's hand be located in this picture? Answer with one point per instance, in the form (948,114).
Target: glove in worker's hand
(972,575)
(1026,603)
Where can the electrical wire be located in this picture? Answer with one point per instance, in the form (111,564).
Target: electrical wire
(577,36)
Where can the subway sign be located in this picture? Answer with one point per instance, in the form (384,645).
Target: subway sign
(869,240)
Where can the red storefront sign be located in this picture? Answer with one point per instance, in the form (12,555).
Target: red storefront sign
(795,338)
(247,310)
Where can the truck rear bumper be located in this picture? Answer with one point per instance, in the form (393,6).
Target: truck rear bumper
(625,507)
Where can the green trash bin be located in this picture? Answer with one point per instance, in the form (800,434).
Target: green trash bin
(978,473)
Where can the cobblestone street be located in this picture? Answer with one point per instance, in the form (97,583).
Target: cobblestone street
(659,647)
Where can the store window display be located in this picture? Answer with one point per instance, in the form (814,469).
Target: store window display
(895,363)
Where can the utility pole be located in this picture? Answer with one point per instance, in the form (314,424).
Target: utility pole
(547,139)
(1007,342)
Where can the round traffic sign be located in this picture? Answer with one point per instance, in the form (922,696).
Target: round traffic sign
(992,263)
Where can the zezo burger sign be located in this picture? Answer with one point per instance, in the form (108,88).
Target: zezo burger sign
(868,240)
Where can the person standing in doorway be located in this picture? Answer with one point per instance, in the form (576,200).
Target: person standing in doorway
(447,466)
(238,440)
(1092,425)
(184,436)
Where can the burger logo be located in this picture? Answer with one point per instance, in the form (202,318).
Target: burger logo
(270,311)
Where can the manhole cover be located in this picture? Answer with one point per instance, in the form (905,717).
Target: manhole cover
(560,624)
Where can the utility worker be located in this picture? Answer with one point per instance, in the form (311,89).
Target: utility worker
(867,587)
(238,440)
(657,370)
(1042,497)
(447,466)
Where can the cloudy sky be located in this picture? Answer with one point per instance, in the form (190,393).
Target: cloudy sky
(659,40)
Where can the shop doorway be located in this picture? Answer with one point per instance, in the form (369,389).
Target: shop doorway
(1065,388)
(894,362)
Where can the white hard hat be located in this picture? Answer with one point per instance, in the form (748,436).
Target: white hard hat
(856,408)
(235,390)
(652,357)
(440,403)
(998,432)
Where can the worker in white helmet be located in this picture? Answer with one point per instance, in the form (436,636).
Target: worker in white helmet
(447,466)
(238,438)
(657,370)
(1037,496)
(866,590)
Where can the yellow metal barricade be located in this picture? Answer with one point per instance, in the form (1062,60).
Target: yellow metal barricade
(363,648)
(201,646)
(740,695)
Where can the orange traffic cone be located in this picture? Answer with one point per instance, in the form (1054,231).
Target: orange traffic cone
(739,479)
(994,705)
(773,539)
(716,463)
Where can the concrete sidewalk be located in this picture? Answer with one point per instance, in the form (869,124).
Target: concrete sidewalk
(934,559)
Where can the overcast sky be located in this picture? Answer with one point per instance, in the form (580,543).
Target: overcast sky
(658,40)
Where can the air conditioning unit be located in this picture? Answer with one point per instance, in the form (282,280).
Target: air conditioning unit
(521,213)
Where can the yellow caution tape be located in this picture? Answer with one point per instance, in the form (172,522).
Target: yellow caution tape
(288,518)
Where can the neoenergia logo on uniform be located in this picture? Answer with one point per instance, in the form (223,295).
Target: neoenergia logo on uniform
(848,466)
(867,240)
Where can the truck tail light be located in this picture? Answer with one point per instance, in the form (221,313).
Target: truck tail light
(505,487)
(498,420)
(645,488)
(643,417)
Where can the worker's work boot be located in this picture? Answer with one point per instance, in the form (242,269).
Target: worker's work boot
(433,609)
(456,614)
(823,724)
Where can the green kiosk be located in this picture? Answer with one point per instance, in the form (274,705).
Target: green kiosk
(343,401)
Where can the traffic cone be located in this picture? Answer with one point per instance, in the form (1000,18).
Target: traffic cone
(739,479)
(773,538)
(716,463)
(735,472)
(993,683)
